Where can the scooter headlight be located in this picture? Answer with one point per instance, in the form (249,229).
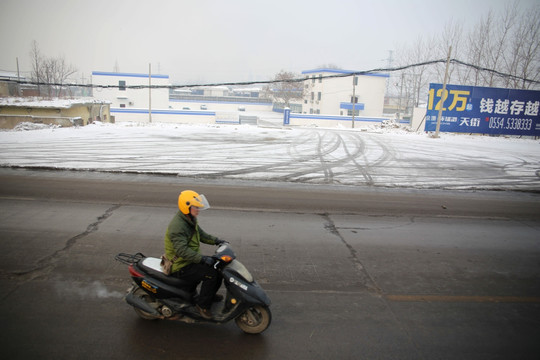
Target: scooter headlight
(226,258)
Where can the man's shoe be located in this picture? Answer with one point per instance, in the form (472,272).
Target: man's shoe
(205,313)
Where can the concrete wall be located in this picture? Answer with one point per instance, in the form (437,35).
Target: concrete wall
(418,121)
(4,88)
(14,114)
(177,112)
(165,116)
(219,105)
(334,121)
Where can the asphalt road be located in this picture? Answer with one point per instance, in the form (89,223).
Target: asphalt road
(353,273)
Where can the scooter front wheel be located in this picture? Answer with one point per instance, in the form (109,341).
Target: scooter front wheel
(255,320)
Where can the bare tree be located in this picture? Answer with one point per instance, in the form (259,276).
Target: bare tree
(501,38)
(523,60)
(410,85)
(505,43)
(50,71)
(36,60)
(451,36)
(488,44)
(286,88)
(62,73)
(477,47)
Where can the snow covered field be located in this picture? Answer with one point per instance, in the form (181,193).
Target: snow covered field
(392,158)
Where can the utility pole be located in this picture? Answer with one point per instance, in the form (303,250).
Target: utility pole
(18,79)
(443,94)
(150,92)
(389,63)
(353,97)
(400,113)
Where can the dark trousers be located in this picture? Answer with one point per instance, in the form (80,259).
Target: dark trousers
(211,281)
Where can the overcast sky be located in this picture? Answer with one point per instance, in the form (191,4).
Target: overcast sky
(202,41)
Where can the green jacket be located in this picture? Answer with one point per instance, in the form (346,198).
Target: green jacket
(183,239)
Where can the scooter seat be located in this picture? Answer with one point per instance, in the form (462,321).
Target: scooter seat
(152,267)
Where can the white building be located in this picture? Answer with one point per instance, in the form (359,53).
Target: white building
(121,96)
(334,95)
(133,104)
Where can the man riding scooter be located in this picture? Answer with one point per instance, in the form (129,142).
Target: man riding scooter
(182,247)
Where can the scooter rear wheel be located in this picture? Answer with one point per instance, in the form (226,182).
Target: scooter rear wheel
(144,296)
(255,320)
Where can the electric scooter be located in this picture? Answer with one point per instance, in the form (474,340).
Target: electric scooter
(156,295)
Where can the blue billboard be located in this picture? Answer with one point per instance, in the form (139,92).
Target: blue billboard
(483,110)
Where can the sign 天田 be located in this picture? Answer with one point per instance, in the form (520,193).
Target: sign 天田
(483,110)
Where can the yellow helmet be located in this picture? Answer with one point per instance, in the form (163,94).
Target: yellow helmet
(189,198)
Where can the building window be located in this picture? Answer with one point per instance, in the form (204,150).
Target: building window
(312,96)
(320,78)
(313,79)
(319,96)
(354,100)
(122,105)
(122,85)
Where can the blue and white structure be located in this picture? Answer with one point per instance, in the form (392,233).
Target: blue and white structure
(329,100)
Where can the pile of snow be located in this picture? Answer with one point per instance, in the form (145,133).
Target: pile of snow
(26,126)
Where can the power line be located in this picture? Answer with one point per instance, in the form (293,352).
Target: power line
(480,68)
(294,80)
